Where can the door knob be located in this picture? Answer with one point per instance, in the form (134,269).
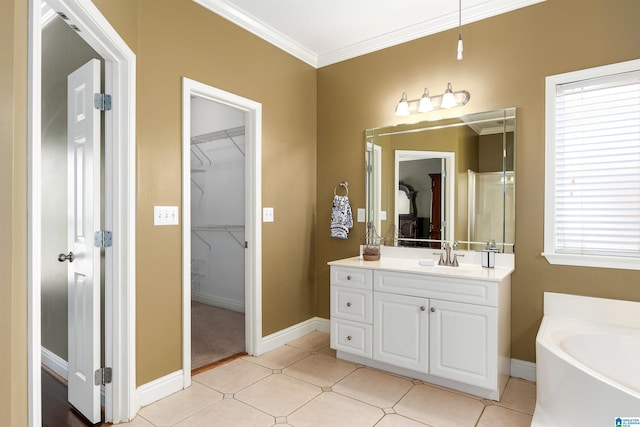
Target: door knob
(63,257)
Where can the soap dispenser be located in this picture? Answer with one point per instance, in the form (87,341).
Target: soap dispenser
(488,256)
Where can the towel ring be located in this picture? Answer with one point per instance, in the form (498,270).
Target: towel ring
(343,184)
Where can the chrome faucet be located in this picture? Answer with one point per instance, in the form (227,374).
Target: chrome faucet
(445,257)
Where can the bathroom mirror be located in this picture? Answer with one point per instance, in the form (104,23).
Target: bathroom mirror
(456,174)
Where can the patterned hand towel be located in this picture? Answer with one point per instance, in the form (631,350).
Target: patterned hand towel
(341,218)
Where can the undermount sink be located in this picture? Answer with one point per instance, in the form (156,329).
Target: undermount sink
(449,269)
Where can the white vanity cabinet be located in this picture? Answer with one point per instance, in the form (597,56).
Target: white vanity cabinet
(351,310)
(441,325)
(400,329)
(463,343)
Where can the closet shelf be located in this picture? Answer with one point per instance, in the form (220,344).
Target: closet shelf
(229,229)
(215,136)
(215,227)
(219,135)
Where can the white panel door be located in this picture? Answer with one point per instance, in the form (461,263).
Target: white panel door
(400,330)
(463,343)
(83,155)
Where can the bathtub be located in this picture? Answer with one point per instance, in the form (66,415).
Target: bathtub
(587,362)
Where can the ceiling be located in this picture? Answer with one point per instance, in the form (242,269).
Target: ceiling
(323,32)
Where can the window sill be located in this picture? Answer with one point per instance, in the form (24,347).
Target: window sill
(593,261)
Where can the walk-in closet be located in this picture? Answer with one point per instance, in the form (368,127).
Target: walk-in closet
(217,231)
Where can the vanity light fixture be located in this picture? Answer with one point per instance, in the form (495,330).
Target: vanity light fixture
(425,102)
(460,47)
(403,106)
(448,100)
(428,103)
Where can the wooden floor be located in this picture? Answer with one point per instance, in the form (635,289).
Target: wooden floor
(56,410)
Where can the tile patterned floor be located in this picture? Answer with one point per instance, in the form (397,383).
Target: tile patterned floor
(302,384)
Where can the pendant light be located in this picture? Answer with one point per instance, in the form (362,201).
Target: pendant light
(460,47)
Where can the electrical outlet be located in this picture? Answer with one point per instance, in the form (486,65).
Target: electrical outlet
(361,214)
(165,215)
(267,214)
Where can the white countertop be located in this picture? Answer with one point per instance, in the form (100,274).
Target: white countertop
(411,265)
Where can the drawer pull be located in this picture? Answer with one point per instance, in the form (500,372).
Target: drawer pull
(349,338)
(348,277)
(422,308)
(433,309)
(348,304)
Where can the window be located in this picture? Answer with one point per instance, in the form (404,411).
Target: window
(592,176)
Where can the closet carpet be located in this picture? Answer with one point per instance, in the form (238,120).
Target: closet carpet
(216,334)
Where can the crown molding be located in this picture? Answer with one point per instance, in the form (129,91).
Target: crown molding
(260,29)
(317,60)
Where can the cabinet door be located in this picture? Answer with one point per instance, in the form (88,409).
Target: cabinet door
(400,330)
(463,343)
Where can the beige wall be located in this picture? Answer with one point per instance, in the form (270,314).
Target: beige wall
(505,62)
(13,212)
(506,59)
(176,38)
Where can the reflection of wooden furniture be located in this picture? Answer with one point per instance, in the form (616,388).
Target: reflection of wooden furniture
(435,227)
(408,225)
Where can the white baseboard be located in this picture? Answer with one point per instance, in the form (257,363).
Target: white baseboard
(54,362)
(158,389)
(229,304)
(523,369)
(280,338)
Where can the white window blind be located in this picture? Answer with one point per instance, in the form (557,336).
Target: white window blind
(596,204)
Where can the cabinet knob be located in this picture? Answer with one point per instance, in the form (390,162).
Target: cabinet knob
(349,338)
(433,309)
(348,277)
(422,308)
(348,304)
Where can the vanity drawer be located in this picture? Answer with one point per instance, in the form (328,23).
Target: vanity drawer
(352,277)
(351,304)
(444,288)
(351,337)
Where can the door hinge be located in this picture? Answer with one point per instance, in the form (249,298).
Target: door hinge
(103,376)
(103,239)
(102,101)
(246,244)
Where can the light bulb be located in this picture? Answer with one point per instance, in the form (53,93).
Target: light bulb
(403,106)
(460,48)
(425,102)
(448,100)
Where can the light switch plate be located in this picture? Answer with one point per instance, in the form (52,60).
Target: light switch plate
(361,215)
(267,214)
(383,215)
(165,215)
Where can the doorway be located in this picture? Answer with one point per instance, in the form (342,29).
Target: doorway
(221,205)
(217,231)
(431,177)
(119,189)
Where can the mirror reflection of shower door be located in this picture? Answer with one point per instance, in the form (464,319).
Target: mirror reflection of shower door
(435,223)
(373,192)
